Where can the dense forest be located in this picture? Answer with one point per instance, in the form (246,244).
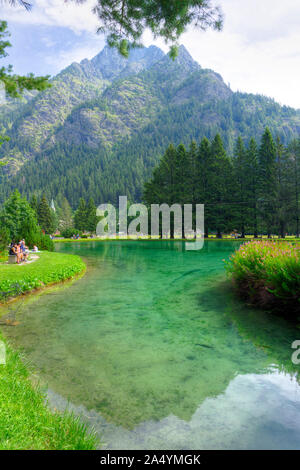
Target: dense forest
(254,192)
(104,124)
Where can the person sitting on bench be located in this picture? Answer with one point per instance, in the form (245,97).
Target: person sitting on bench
(12,251)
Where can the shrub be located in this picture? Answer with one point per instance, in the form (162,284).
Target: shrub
(4,239)
(45,243)
(268,273)
(35,236)
(69,232)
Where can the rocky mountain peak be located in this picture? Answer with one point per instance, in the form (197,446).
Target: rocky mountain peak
(111,64)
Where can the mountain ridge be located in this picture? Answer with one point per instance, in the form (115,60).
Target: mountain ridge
(129,110)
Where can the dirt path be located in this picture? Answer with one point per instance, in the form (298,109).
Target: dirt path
(31,259)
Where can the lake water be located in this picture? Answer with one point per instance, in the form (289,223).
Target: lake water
(152,348)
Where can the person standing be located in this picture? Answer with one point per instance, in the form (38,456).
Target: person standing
(18,252)
(24,250)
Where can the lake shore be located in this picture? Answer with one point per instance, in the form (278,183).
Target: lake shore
(49,269)
(26,421)
(140,239)
(25,418)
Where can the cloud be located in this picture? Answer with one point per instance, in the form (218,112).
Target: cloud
(75,53)
(261,20)
(70,15)
(258,50)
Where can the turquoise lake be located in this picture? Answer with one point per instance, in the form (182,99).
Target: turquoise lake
(152,348)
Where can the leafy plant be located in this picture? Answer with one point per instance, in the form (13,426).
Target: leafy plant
(268,272)
(4,239)
(69,232)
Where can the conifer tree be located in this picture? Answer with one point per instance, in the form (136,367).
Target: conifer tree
(220,187)
(34,203)
(284,197)
(204,162)
(192,180)
(241,207)
(45,218)
(80,217)
(252,170)
(65,215)
(91,217)
(163,185)
(181,188)
(267,181)
(256,192)
(294,168)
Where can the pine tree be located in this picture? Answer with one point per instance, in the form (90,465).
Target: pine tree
(241,208)
(34,203)
(252,171)
(294,168)
(220,188)
(91,217)
(181,186)
(191,183)
(163,185)
(65,215)
(257,191)
(204,162)
(267,180)
(80,217)
(45,218)
(284,196)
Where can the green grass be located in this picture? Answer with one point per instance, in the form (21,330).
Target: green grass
(268,273)
(25,420)
(50,268)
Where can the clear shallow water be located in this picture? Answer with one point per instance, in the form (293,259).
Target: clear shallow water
(152,348)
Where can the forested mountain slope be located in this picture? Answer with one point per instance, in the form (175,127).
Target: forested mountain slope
(105,122)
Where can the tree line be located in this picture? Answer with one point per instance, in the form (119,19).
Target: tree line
(19,220)
(36,219)
(256,191)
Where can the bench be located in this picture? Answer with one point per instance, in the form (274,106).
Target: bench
(12,259)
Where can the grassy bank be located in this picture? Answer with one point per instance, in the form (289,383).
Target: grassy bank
(50,268)
(25,420)
(267,273)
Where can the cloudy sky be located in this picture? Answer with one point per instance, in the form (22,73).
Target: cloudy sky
(258,50)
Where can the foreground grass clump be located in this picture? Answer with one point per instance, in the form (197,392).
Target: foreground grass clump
(268,273)
(25,420)
(50,268)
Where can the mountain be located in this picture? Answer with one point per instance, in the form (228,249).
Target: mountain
(105,122)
